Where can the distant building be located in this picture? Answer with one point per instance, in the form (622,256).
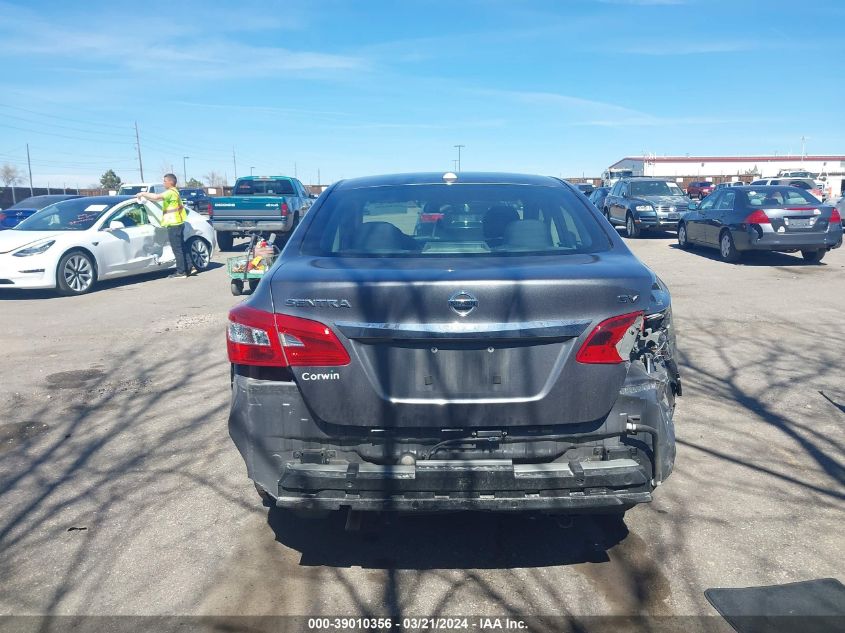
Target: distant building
(724,168)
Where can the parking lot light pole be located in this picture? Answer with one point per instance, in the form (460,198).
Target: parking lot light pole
(184,170)
(459,147)
(251,170)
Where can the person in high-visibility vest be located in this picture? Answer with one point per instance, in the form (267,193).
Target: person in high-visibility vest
(173,217)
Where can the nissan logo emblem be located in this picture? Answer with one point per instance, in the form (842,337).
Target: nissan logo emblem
(463,303)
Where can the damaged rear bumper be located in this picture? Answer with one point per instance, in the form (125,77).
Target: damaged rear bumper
(492,485)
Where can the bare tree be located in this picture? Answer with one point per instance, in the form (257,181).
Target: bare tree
(10,176)
(213,179)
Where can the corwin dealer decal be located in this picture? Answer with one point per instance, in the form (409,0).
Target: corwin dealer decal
(332,375)
(318,303)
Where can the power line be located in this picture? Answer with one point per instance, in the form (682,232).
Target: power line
(57,125)
(61,118)
(73,138)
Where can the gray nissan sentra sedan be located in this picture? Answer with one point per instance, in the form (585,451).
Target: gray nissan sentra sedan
(506,353)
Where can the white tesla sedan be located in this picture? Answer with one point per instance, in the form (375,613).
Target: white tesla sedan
(71,245)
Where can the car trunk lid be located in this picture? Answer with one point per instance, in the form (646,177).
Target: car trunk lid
(461,344)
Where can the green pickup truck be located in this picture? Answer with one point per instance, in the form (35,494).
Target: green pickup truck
(259,204)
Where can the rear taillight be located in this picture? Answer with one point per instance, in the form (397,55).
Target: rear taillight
(612,340)
(210,210)
(251,338)
(284,208)
(309,343)
(256,337)
(835,216)
(2,216)
(431,217)
(758,217)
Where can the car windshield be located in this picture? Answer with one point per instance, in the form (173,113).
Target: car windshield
(263,187)
(655,188)
(453,220)
(130,190)
(79,214)
(773,197)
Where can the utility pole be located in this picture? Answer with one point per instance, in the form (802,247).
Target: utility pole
(235,163)
(184,170)
(251,169)
(294,170)
(459,156)
(803,144)
(318,175)
(138,145)
(455,164)
(29,165)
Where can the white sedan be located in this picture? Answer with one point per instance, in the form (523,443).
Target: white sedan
(71,245)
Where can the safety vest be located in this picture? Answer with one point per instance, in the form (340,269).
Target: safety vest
(173,211)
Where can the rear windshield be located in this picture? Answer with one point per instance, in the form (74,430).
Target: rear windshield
(771,197)
(449,220)
(263,187)
(655,188)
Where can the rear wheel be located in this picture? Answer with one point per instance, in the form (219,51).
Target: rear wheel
(224,241)
(683,240)
(631,227)
(200,253)
(253,284)
(813,257)
(75,274)
(727,248)
(237,287)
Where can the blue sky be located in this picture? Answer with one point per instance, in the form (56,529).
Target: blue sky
(558,87)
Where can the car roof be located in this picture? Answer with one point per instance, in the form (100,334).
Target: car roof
(436,178)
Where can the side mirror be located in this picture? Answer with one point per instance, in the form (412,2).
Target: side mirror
(116,225)
(692,206)
(624,194)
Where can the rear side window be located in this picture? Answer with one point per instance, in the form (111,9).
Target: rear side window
(264,187)
(453,220)
(780,197)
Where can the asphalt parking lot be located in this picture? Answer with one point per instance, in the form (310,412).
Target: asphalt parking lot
(121,492)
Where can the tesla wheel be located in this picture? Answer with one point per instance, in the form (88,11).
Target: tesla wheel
(200,253)
(683,241)
(225,241)
(631,227)
(727,248)
(75,274)
(813,257)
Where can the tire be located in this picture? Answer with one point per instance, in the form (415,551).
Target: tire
(813,257)
(253,284)
(683,242)
(631,228)
(237,287)
(727,248)
(225,240)
(76,273)
(200,252)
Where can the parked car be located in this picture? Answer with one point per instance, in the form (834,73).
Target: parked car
(584,187)
(11,217)
(725,185)
(700,189)
(525,366)
(641,204)
(259,204)
(72,245)
(127,189)
(807,184)
(598,196)
(740,219)
(840,206)
(195,198)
